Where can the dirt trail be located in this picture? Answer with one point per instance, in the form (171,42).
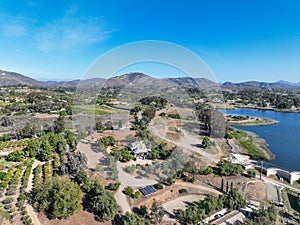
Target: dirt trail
(32,214)
(122,200)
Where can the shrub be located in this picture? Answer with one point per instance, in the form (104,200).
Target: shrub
(114,186)
(136,195)
(251,173)
(130,169)
(128,191)
(158,186)
(183,191)
(7,200)
(205,170)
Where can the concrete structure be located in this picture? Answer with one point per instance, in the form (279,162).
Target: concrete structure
(289,176)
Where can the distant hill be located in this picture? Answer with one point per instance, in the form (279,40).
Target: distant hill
(139,79)
(255,84)
(15,79)
(74,83)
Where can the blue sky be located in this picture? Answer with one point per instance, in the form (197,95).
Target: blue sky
(239,40)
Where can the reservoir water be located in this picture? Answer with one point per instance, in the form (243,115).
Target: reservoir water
(283,138)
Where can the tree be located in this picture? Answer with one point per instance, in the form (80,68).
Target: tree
(31,149)
(16,156)
(227,168)
(46,151)
(205,170)
(59,198)
(156,213)
(222,185)
(205,142)
(234,200)
(130,219)
(227,187)
(59,124)
(104,205)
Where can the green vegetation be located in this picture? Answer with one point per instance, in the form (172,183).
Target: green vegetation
(197,211)
(182,191)
(251,173)
(247,143)
(227,168)
(131,219)
(206,170)
(130,169)
(156,101)
(159,151)
(264,216)
(174,116)
(106,141)
(205,142)
(59,198)
(158,186)
(123,155)
(264,98)
(16,156)
(101,202)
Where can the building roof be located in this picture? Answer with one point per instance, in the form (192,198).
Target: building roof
(138,147)
(233,218)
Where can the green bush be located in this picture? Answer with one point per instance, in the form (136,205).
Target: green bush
(136,195)
(205,170)
(158,186)
(128,191)
(183,191)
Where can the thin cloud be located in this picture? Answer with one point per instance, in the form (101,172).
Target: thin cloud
(13,26)
(71,31)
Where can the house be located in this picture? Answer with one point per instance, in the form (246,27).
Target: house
(139,149)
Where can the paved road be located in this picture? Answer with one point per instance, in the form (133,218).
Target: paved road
(278,183)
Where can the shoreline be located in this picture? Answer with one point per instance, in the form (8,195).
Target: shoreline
(258,121)
(259,143)
(232,107)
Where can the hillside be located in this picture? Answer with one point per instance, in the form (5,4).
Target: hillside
(14,79)
(285,85)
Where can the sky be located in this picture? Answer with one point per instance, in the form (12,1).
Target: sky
(238,40)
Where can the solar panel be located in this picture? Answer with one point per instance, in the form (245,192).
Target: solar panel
(147,190)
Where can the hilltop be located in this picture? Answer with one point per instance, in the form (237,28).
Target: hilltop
(15,79)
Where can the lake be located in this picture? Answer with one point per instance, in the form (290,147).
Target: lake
(283,138)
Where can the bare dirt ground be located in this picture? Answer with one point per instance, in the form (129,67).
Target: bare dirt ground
(179,203)
(119,135)
(93,157)
(80,218)
(256,190)
(45,115)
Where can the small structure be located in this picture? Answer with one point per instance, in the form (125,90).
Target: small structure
(147,190)
(139,149)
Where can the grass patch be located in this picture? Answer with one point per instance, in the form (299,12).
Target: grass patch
(92,109)
(248,143)
(3,162)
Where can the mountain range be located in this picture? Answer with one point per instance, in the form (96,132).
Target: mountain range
(15,79)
